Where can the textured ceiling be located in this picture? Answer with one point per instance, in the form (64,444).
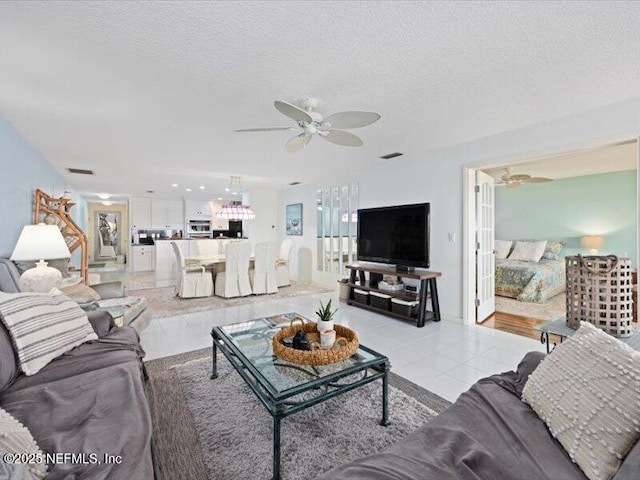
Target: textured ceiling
(148,93)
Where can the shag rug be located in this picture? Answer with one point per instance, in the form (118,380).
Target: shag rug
(163,302)
(554,308)
(218,429)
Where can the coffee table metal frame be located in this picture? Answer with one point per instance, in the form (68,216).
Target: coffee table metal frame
(281,404)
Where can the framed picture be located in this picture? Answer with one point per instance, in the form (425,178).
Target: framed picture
(107,234)
(294,219)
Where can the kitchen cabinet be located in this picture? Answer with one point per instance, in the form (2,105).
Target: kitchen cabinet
(140,212)
(157,214)
(198,210)
(218,223)
(143,258)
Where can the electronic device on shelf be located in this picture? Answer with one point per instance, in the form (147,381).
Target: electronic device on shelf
(395,235)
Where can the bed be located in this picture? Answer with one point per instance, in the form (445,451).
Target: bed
(534,282)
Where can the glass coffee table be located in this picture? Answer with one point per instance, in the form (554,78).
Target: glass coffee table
(285,388)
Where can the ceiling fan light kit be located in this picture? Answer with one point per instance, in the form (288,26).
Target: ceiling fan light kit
(310,123)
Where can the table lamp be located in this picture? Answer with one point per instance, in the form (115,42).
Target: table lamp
(40,242)
(593,243)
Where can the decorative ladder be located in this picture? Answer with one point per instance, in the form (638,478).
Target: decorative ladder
(55,211)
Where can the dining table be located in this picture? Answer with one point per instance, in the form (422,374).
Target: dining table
(214,261)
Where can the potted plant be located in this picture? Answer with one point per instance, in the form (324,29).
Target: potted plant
(325,317)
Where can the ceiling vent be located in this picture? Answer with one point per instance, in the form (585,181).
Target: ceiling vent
(294,183)
(151,191)
(81,171)
(391,155)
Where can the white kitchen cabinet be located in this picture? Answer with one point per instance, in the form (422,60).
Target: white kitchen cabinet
(167,214)
(218,223)
(140,212)
(198,210)
(143,258)
(175,214)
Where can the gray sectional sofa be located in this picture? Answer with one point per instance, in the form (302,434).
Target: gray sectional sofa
(488,433)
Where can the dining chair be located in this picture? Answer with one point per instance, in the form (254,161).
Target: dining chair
(193,281)
(263,275)
(234,281)
(282,263)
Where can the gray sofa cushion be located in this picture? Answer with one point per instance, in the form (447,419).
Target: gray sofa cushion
(9,276)
(60,264)
(9,368)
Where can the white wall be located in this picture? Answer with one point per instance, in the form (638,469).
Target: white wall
(437,176)
(264,203)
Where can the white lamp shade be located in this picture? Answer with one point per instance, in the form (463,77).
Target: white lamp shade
(592,242)
(40,242)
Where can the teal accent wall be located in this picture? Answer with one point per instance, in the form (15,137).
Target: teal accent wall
(569,208)
(22,171)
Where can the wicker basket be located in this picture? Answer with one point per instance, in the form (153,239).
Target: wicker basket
(361,296)
(345,346)
(599,292)
(380,300)
(402,307)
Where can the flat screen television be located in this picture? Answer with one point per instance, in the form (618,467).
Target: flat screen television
(395,235)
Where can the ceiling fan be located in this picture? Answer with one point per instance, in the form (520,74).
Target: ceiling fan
(309,123)
(515,181)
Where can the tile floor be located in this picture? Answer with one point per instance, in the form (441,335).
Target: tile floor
(445,357)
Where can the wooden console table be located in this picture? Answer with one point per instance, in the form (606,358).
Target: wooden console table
(428,289)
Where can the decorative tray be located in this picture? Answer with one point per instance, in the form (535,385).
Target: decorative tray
(345,346)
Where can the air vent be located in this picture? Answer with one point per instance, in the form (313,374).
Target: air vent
(151,191)
(294,183)
(392,155)
(81,171)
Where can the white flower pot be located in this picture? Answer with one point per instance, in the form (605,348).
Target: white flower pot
(323,326)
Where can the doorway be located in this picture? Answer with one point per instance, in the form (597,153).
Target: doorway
(566,170)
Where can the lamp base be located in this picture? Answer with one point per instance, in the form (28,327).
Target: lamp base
(40,279)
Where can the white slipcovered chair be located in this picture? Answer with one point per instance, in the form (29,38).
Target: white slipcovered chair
(282,264)
(193,281)
(263,275)
(234,281)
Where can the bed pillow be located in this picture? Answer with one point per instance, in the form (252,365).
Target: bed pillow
(552,252)
(587,392)
(528,251)
(43,327)
(503,247)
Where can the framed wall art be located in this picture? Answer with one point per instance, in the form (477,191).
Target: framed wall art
(294,219)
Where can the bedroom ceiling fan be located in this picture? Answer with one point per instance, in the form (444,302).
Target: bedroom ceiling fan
(514,181)
(310,123)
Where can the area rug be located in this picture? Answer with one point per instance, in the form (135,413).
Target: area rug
(217,429)
(164,303)
(554,308)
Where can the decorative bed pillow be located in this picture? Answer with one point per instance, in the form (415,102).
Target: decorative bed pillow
(528,251)
(587,391)
(552,252)
(81,291)
(43,327)
(15,438)
(503,247)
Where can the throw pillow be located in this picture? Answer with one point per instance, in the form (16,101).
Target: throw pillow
(60,264)
(503,247)
(9,368)
(587,391)
(43,327)
(82,292)
(552,252)
(17,439)
(528,251)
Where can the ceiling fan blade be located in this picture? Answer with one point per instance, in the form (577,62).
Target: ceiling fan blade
(266,129)
(513,184)
(538,180)
(298,142)
(292,111)
(520,178)
(343,138)
(351,119)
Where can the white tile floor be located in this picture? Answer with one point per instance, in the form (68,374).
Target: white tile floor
(445,357)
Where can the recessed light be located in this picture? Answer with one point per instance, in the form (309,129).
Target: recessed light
(226,189)
(220,198)
(201,187)
(174,185)
(187,189)
(107,203)
(104,196)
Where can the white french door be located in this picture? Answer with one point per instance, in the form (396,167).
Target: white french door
(485,241)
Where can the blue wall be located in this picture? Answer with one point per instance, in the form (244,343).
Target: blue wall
(569,208)
(22,171)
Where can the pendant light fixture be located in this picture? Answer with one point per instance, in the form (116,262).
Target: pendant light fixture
(234,209)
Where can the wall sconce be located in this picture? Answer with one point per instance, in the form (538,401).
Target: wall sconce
(593,243)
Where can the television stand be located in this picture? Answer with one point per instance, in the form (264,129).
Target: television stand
(405,268)
(428,289)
